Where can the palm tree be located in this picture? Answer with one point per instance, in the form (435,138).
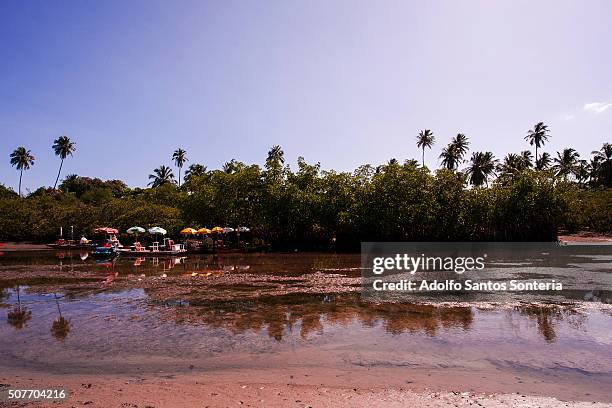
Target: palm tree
(450,157)
(602,168)
(195,170)
(543,162)
(482,165)
(537,136)
(582,171)
(276,155)
(461,143)
(179,157)
(566,162)
(425,139)
(161,176)
(453,153)
(513,164)
(63,147)
(527,159)
(22,159)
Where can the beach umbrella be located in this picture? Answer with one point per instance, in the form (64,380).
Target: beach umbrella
(244,229)
(228,229)
(157,230)
(106,230)
(135,230)
(217,229)
(188,231)
(203,231)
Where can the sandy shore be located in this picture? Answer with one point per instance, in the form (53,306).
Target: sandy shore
(207,391)
(586,237)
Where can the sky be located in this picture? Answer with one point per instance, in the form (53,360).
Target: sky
(341,82)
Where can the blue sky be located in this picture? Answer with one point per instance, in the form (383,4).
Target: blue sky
(343,82)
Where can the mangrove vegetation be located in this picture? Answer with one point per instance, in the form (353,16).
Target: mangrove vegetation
(472,196)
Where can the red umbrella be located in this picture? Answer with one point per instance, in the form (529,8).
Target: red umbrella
(106,230)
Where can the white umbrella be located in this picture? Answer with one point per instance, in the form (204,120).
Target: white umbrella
(228,229)
(243,229)
(157,231)
(135,230)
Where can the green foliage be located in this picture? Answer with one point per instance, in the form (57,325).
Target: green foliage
(310,207)
(589,209)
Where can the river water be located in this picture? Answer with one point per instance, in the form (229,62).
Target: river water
(64,314)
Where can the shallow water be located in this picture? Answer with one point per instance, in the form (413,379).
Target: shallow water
(82,316)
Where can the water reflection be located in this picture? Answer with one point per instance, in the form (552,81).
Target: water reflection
(19,315)
(547,317)
(278,314)
(61,326)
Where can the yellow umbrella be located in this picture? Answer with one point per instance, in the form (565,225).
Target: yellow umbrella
(217,229)
(188,231)
(203,231)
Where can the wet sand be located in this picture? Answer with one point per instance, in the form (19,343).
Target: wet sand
(266,389)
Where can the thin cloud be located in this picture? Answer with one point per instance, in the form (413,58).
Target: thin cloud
(569,117)
(597,107)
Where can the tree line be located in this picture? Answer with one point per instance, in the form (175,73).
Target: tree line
(524,196)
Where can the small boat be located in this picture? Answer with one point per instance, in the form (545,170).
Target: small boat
(104,252)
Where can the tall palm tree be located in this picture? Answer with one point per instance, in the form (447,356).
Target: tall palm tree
(63,147)
(453,153)
(179,157)
(538,136)
(482,166)
(543,162)
(161,176)
(22,159)
(461,143)
(425,139)
(195,170)
(566,162)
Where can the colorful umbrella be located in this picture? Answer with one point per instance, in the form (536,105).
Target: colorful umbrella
(106,230)
(203,231)
(157,230)
(135,230)
(217,229)
(188,231)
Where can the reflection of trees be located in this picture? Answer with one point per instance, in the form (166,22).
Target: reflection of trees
(4,294)
(275,314)
(19,315)
(61,326)
(548,317)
